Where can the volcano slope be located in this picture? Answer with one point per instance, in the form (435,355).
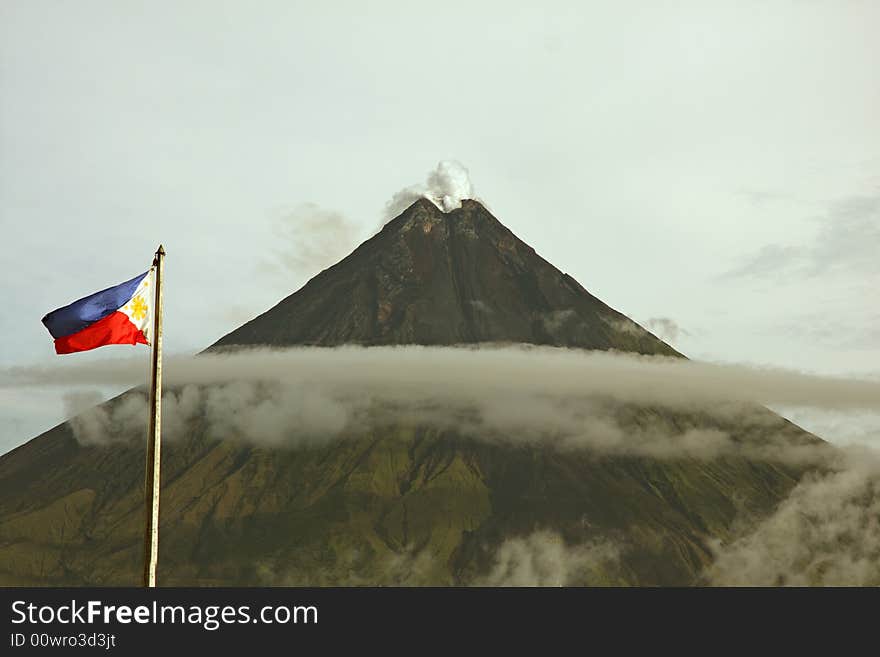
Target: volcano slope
(406,502)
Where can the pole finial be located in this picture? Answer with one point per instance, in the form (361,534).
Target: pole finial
(160,250)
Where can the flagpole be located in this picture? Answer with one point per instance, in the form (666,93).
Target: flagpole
(154,436)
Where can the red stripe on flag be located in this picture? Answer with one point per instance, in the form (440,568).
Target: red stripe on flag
(115,328)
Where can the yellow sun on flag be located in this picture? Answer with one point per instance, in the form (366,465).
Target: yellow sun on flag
(138,308)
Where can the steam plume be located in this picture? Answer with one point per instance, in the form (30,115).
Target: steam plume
(446,187)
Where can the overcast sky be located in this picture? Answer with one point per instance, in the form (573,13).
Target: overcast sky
(713,163)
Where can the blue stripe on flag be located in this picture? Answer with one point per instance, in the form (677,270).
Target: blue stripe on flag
(88,310)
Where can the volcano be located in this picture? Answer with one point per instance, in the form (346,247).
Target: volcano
(408,503)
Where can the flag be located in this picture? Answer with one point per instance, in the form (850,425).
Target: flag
(117,315)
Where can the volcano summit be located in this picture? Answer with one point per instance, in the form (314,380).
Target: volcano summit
(443,278)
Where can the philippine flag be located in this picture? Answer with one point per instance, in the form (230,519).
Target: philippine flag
(118,315)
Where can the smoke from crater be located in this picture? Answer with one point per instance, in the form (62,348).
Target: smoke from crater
(446,186)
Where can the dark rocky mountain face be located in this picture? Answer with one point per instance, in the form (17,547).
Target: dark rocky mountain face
(407,503)
(436,278)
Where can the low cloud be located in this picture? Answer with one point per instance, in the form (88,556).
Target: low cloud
(416,373)
(826,533)
(625,325)
(120,422)
(283,415)
(604,401)
(544,559)
(355,567)
(557,319)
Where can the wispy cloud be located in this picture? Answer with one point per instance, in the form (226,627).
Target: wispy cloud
(847,241)
(310,238)
(858,330)
(665,328)
(764,196)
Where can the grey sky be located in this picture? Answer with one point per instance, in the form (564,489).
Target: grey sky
(714,163)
